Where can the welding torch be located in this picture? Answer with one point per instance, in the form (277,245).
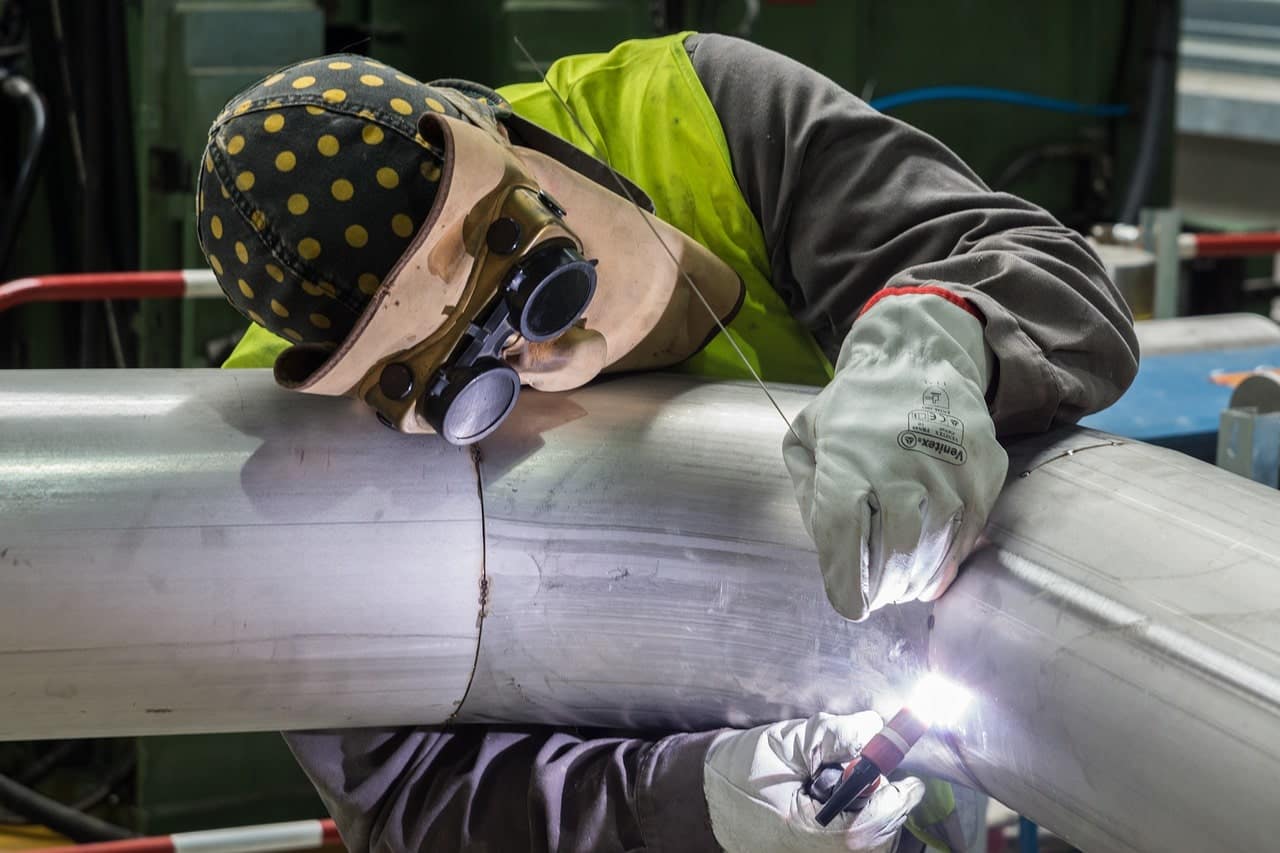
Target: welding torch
(935,701)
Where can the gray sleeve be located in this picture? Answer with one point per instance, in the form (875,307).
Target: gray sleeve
(851,200)
(517,789)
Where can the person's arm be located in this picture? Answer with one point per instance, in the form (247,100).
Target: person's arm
(499,789)
(852,201)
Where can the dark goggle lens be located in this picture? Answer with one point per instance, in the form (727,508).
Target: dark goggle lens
(475,402)
(549,291)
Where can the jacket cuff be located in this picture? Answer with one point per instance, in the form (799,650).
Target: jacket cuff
(923,290)
(670,803)
(1027,394)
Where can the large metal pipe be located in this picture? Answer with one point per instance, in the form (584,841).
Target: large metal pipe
(198,551)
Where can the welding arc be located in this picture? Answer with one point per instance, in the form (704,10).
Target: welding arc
(622,187)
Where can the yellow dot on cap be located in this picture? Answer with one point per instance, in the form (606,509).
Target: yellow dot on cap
(278,309)
(429,170)
(375,63)
(401,106)
(356,236)
(242,253)
(320,321)
(275,105)
(298,204)
(215,227)
(235,145)
(310,287)
(225,194)
(327,145)
(368,283)
(315,111)
(285,161)
(244,181)
(245,288)
(304,81)
(273,79)
(334,96)
(292,335)
(242,107)
(328,290)
(309,248)
(435,105)
(258,219)
(275,272)
(339,66)
(371,79)
(387,178)
(273,123)
(371,134)
(342,189)
(403,79)
(257,318)
(208,162)
(215,264)
(402,225)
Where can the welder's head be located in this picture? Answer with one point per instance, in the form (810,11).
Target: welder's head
(314,182)
(421,262)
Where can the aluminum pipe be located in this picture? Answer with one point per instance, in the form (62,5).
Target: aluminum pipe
(198,551)
(186,551)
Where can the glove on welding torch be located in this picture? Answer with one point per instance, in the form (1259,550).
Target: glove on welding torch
(755,785)
(896,465)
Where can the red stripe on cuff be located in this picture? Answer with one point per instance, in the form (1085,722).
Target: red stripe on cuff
(927,290)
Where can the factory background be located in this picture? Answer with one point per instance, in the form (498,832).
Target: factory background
(1158,115)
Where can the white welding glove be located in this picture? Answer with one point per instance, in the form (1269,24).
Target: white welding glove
(897,464)
(754,783)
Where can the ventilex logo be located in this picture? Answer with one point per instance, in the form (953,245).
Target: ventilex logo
(933,430)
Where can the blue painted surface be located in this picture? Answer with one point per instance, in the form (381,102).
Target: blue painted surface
(1028,836)
(1174,403)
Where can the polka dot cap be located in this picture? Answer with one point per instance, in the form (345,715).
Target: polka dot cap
(312,185)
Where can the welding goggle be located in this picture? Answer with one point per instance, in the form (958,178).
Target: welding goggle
(542,294)
(493,263)
(495,277)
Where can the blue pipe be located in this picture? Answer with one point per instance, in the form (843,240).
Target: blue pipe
(1003,96)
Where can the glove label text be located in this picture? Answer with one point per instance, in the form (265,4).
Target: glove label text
(933,430)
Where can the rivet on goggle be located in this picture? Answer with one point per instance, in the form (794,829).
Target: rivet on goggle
(396,381)
(503,236)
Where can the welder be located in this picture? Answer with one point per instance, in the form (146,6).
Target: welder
(428,249)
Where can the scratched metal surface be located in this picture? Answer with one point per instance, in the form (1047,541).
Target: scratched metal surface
(174,561)
(1122,636)
(647,567)
(198,551)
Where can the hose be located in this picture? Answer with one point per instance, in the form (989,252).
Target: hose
(35,772)
(1002,96)
(1155,112)
(42,810)
(112,779)
(20,89)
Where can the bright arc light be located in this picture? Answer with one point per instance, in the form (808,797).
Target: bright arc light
(938,701)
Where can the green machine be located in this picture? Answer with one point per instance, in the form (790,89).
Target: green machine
(181,60)
(187,60)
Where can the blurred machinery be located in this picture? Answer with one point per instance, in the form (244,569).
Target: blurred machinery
(1249,431)
(105,109)
(125,124)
